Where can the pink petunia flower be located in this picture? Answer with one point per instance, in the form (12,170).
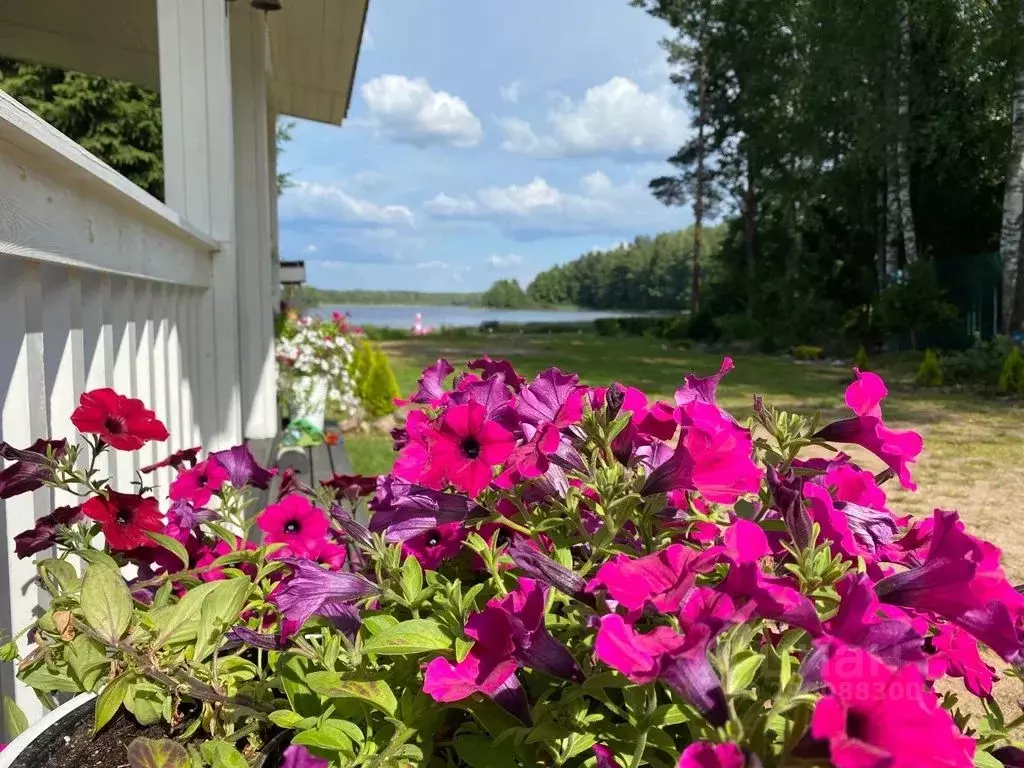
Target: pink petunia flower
(552,398)
(661,579)
(897,449)
(295,522)
(678,660)
(713,457)
(958,652)
(436,545)
(198,484)
(705,755)
(961,580)
(464,447)
(878,717)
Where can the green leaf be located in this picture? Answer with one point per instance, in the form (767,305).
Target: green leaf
(479,752)
(412,578)
(50,681)
(145,700)
(96,557)
(983,759)
(87,660)
(377,624)
(413,636)
(462,648)
(328,736)
(59,576)
(106,602)
(222,607)
(173,546)
(162,596)
(376,692)
(110,700)
(220,754)
(285,718)
(741,673)
(15,721)
(157,753)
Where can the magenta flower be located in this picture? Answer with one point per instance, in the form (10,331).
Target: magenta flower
(958,653)
(296,756)
(961,581)
(402,510)
(502,368)
(312,590)
(435,546)
(197,485)
(705,755)
(853,485)
(554,398)
(661,579)
(534,564)
(411,445)
(175,460)
(878,717)
(242,468)
(464,448)
(679,661)
(533,457)
(897,449)
(295,522)
(704,390)
(430,387)
(770,597)
(509,633)
(605,758)
(714,457)
(31,468)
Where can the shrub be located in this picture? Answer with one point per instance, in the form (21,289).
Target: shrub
(1011,380)
(730,607)
(808,352)
(861,361)
(702,327)
(378,388)
(929,374)
(979,366)
(606,326)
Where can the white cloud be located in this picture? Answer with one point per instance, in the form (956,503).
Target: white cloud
(368,43)
(454,272)
(368,179)
(511,92)
(538,209)
(433,265)
(614,118)
(443,205)
(331,203)
(311,249)
(409,110)
(500,261)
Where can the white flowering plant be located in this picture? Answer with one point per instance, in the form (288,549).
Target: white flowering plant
(309,349)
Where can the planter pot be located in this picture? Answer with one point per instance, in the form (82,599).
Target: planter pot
(32,747)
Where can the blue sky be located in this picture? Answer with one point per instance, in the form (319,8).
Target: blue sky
(485,140)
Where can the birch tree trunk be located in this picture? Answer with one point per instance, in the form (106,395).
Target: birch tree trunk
(698,198)
(1013,207)
(892,216)
(902,153)
(750,232)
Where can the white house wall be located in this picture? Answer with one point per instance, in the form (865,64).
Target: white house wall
(100,286)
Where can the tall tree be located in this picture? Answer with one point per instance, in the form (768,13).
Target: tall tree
(1010,246)
(903,134)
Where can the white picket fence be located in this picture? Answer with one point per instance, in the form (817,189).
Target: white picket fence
(101,285)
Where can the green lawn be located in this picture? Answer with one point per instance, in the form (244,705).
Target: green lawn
(974,456)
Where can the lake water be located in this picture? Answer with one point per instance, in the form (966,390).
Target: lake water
(459,317)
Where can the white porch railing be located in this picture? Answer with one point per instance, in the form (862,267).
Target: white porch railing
(101,285)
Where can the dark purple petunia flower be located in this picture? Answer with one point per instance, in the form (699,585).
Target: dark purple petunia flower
(503,368)
(175,460)
(44,535)
(31,469)
(185,516)
(297,756)
(787,498)
(872,528)
(352,528)
(403,510)
(538,566)
(1011,757)
(257,639)
(553,397)
(243,468)
(431,389)
(313,590)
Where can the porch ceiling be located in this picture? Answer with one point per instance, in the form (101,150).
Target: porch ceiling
(314,46)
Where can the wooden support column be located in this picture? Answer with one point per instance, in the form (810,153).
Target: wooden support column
(199,170)
(254,188)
